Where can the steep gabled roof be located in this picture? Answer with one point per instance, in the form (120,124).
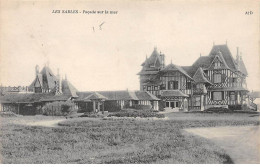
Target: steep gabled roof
(202,61)
(49,78)
(200,76)
(172,67)
(46,78)
(226,55)
(218,57)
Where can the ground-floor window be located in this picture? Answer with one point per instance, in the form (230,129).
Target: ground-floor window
(172,104)
(232,96)
(218,95)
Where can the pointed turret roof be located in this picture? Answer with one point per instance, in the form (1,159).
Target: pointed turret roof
(154,59)
(152,64)
(68,89)
(200,76)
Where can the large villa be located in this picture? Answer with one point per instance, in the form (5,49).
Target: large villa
(215,80)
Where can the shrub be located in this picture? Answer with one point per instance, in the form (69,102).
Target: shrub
(59,108)
(218,110)
(142,107)
(111,106)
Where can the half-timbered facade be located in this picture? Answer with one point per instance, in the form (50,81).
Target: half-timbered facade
(216,80)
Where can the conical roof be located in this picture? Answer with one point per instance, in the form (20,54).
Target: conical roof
(68,89)
(200,76)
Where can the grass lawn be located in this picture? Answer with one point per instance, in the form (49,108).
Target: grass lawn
(84,140)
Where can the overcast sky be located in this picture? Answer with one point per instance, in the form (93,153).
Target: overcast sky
(109,59)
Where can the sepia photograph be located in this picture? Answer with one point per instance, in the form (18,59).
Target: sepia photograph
(129,82)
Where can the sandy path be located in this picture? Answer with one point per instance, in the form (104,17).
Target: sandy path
(37,121)
(49,123)
(242,143)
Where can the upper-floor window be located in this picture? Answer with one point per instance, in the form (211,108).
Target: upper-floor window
(148,88)
(217,64)
(188,85)
(162,87)
(217,78)
(173,85)
(144,88)
(155,88)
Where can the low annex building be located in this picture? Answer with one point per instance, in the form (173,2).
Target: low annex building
(47,88)
(215,80)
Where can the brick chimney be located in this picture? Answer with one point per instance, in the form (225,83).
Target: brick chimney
(162,58)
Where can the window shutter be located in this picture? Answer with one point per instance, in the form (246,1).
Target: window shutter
(212,95)
(222,95)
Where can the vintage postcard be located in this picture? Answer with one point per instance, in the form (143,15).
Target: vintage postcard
(129,82)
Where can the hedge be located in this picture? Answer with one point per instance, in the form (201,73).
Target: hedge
(58,108)
(142,114)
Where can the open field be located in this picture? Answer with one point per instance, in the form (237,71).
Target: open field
(93,140)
